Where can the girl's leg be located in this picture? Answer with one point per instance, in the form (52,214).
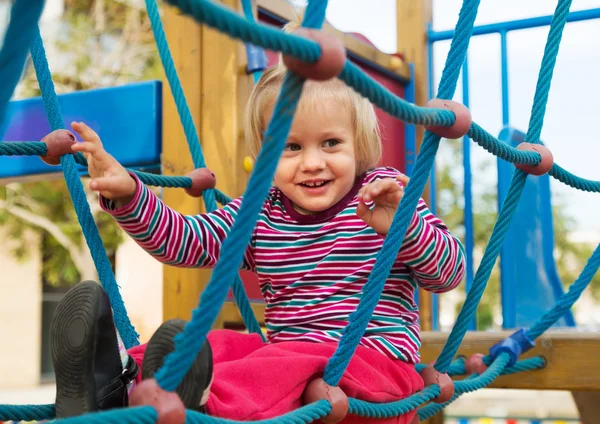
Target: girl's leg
(195,386)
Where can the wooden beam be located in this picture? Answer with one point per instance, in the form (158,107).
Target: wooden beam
(571,359)
(588,405)
(286,11)
(208,65)
(181,287)
(412,20)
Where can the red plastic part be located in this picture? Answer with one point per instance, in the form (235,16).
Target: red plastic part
(168,405)
(462,121)
(317,390)
(59,143)
(475,365)
(416,420)
(329,65)
(432,376)
(202,179)
(545,164)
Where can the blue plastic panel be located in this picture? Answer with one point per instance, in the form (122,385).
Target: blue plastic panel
(127,118)
(530,281)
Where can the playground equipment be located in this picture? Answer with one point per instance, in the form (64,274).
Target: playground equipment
(567,357)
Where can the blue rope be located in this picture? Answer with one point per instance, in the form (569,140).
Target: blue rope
(191,135)
(82,207)
(359,320)
(19,34)
(26,412)
(189,342)
(516,188)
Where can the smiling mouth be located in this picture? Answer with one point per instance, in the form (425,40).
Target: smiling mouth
(315,184)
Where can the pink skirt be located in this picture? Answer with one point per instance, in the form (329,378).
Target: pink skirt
(255,380)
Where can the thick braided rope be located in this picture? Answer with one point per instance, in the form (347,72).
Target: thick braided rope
(542,90)
(82,207)
(359,320)
(26,412)
(483,272)
(516,188)
(193,141)
(38,148)
(24,16)
(188,343)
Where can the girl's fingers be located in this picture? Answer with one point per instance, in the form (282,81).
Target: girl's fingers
(364,212)
(402,178)
(86,133)
(84,147)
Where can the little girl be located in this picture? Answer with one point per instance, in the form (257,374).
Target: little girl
(313,248)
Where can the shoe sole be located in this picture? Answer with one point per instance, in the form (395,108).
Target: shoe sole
(73,335)
(195,386)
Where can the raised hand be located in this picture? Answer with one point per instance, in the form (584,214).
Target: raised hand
(108,176)
(386,194)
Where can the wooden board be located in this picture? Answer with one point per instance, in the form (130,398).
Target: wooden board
(181,286)
(572,359)
(412,19)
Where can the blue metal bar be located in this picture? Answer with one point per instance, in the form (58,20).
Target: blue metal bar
(507,288)
(468,192)
(519,24)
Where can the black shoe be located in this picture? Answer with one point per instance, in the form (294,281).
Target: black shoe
(85,353)
(195,386)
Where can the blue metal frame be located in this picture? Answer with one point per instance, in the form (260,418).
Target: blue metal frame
(127,118)
(509,288)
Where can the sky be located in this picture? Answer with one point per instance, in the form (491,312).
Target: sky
(571,106)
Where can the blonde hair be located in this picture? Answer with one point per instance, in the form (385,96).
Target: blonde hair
(366,129)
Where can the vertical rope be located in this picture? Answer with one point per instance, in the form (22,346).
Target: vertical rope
(193,141)
(516,188)
(82,207)
(19,34)
(189,342)
(359,320)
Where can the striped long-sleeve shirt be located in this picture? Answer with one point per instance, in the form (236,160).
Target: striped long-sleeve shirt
(311,268)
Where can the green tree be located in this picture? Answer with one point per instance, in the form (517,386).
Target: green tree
(570,256)
(103,43)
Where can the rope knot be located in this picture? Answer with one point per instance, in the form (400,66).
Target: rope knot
(432,376)
(317,390)
(202,179)
(462,119)
(58,143)
(546,161)
(329,65)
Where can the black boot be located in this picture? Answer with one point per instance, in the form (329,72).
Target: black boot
(85,352)
(195,386)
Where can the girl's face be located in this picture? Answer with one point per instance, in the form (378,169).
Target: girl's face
(318,166)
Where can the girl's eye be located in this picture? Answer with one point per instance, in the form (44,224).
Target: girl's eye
(292,146)
(332,142)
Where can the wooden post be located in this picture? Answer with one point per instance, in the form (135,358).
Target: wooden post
(412,19)
(207,63)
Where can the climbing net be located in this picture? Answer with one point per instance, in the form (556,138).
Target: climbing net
(23,34)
